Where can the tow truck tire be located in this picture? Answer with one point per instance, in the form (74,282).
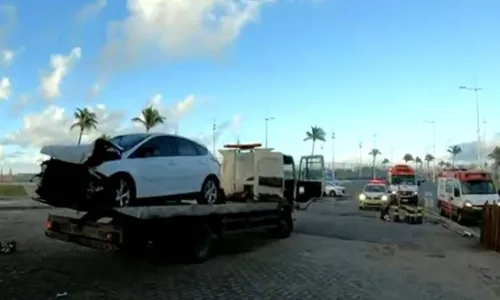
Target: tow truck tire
(284,227)
(200,248)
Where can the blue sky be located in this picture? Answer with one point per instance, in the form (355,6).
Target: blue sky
(357,67)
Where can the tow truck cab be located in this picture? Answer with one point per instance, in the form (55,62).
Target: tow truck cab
(462,193)
(251,172)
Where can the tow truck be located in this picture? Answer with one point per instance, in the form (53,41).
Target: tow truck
(257,197)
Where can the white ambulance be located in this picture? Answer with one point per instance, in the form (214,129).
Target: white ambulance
(462,193)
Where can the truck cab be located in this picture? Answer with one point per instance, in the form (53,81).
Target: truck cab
(462,193)
(402,182)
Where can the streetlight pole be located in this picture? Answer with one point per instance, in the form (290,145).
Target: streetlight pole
(360,159)
(374,141)
(476,90)
(333,152)
(485,150)
(267,119)
(214,128)
(433,123)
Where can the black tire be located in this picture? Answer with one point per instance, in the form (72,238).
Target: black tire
(333,194)
(211,182)
(284,228)
(460,217)
(200,248)
(128,184)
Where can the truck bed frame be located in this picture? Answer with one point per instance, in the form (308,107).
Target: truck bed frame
(190,228)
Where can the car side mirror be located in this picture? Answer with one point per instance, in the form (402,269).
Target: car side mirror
(456,192)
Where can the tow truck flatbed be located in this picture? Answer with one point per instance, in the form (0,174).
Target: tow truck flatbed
(189,227)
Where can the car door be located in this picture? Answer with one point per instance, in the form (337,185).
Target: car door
(448,196)
(155,167)
(311,178)
(191,171)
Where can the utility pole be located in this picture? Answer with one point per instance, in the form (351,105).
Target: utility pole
(433,123)
(333,152)
(267,119)
(214,128)
(392,156)
(485,150)
(374,141)
(360,159)
(476,90)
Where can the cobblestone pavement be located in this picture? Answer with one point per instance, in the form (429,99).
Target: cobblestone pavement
(337,253)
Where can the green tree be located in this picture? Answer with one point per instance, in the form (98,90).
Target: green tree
(495,157)
(316,134)
(454,151)
(150,117)
(428,159)
(418,162)
(374,154)
(385,162)
(85,120)
(408,157)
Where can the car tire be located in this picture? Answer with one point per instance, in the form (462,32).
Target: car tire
(210,192)
(121,186)
(333,194)
(460,218)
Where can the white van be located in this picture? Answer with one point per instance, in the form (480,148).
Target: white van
(462,193)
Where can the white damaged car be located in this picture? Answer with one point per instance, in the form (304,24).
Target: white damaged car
(128,170)
(334,189)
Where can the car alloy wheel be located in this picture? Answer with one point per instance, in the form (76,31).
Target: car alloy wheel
(122,196)
(333,194)
(210,192)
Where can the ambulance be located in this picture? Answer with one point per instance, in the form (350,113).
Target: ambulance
(402,181)
(461,194)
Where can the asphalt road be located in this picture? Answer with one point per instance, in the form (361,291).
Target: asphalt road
(336,252)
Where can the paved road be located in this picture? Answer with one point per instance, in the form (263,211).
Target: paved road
(336,253)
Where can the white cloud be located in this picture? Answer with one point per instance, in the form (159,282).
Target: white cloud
(90,10)
(94,91)
(177,29)
(52,126)
(7,56)
(50,82)
(5,88)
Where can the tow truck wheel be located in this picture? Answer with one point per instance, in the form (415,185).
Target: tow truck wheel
(200,248)
(284,227)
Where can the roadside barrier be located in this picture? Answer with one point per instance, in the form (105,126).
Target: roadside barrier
(490,227)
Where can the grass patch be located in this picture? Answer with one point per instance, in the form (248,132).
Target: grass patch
(7,190)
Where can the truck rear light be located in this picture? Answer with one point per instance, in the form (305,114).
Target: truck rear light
(51,225)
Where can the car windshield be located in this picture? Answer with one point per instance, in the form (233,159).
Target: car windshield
(128,141)
(375,188)
(478,187)
(403,179)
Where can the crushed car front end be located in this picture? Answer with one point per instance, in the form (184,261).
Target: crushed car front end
(65,182)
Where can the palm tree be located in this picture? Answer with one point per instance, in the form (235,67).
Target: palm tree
(316,134)
(418,162)
(85,120)
(407,157)
(454,151)
(385,162)
(150,117)
(442,164)
(428,158)
(374,154)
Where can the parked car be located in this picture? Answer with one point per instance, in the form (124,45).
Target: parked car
(129,170)
(334,189)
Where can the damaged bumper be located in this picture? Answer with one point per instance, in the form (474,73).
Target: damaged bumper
(69,178)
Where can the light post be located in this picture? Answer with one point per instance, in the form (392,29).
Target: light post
(267,119)
(360,159)
(214,128)
(433,124)
(333,152)
(476,90)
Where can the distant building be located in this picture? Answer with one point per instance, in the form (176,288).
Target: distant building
(6,178)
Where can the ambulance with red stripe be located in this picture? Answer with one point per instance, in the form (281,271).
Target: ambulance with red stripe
(402,182)
(461,193)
